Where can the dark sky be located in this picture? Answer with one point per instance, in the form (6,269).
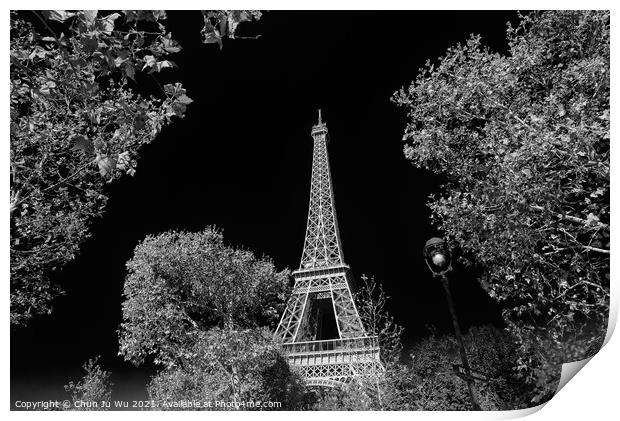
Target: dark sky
(241,160)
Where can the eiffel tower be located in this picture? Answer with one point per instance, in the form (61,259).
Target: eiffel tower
(321,331)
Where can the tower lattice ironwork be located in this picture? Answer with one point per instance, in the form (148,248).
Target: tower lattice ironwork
(321,331)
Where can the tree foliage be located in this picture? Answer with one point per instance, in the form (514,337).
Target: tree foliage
(353,396)
(523,142)
(371,302)
(95,387)
(219,24)
(77,122)
(203,311)
(427,382)
(237,366)
(182,284)
(430,383)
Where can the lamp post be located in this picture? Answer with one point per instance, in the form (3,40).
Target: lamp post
(437,257)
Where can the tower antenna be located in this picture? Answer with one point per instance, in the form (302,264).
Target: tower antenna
(320,120)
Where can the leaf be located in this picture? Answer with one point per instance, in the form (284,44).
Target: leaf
(212,38)
(223,26)
(592,219)
(174,90)
(106,165)
(170,45)
(57,15)
(88,18)
(130,15)
(123,161)
(149,61)
(598,192)
(129,70)
(39,52)
(47,86)
(210,34)
(81,143)
(159,14)
(164,64)
(177,109)
(235,17)
(184,99)
(106,24)
(122,57)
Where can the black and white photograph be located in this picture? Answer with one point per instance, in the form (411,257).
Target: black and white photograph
(306,210)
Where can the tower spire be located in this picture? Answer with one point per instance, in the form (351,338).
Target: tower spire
(322,246)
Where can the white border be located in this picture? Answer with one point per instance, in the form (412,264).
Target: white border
(593,394)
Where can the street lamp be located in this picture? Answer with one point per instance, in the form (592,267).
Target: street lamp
(437,257)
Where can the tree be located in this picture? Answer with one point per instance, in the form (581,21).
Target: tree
(523,143)
(202,311)
(237,366)
(77,122)
(371,302)
(181,284)
(429,382)
(353,396)
(94,389)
